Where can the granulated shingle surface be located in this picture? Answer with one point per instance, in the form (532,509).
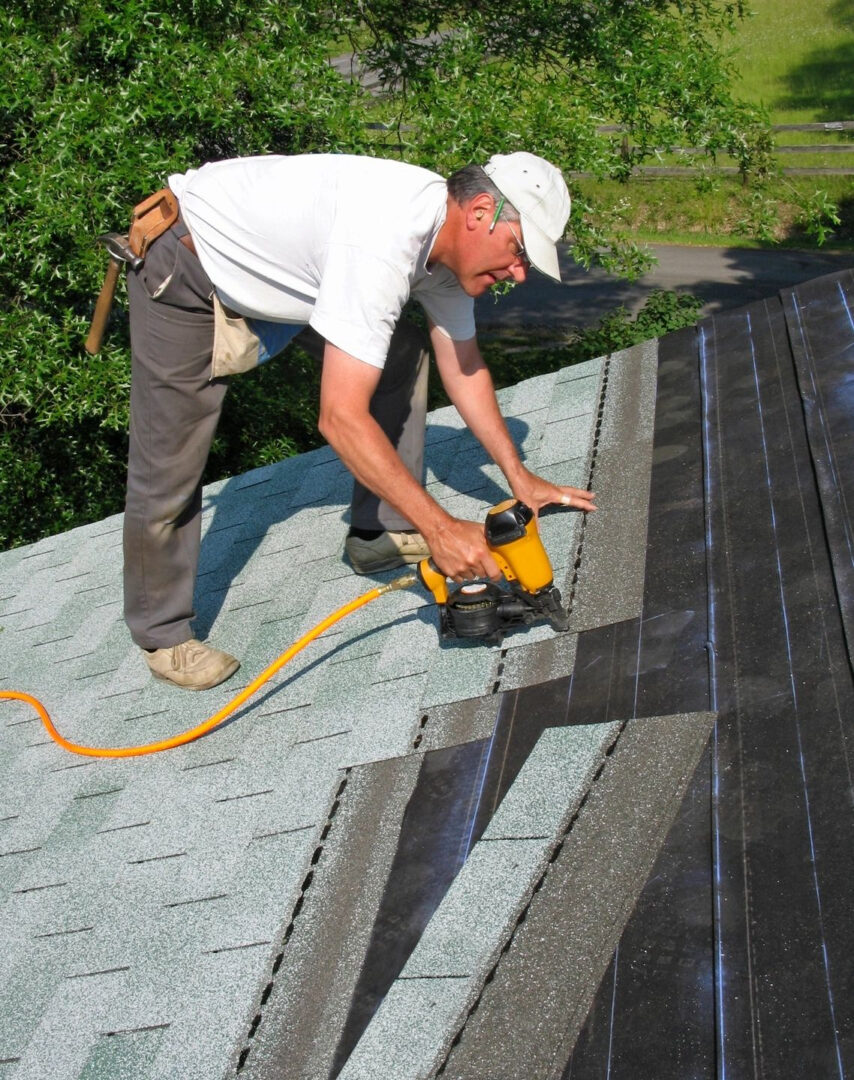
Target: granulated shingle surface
(145,899)
(404,857)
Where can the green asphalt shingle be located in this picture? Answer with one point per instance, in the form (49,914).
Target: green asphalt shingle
(146,901)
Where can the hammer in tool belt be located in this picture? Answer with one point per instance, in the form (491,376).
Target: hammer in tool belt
(151,218)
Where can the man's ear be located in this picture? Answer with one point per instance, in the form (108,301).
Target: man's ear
(480,208)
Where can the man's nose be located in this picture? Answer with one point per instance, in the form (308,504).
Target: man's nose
(519,270)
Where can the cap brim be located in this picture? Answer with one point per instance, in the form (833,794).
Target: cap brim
(540,249)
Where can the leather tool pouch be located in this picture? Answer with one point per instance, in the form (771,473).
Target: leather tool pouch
(151,218)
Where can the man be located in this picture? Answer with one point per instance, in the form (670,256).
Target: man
(331,246)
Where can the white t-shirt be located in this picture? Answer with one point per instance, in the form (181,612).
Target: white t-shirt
(335,241)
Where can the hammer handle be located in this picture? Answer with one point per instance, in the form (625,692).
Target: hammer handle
(102,308)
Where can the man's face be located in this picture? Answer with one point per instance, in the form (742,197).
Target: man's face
(484,257)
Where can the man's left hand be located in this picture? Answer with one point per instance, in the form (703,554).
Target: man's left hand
(536,492)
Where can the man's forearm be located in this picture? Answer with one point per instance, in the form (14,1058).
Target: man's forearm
(369,455)
(347,385)
(458,547)
(473,396)
(469,386)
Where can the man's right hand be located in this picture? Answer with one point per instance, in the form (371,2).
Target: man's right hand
(458,548)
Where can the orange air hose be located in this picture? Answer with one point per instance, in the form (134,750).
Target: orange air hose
(403,582)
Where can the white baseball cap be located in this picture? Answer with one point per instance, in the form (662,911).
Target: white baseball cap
(538,191)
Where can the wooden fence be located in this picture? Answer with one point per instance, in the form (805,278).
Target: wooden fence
(677,170)
(805,148)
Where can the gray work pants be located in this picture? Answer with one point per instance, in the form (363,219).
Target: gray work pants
(174,410)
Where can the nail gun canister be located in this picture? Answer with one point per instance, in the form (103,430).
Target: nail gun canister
(473,611)
(513,538)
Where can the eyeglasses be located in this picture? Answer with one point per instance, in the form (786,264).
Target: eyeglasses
(520,247)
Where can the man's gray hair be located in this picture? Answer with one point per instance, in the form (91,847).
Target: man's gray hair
(471,180)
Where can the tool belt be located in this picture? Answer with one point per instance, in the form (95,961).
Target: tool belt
(150,219)
(236,346)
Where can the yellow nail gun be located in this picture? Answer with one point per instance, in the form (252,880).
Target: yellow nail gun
(481,609)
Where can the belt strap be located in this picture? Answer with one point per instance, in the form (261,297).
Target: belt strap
(187,241)
(182,233)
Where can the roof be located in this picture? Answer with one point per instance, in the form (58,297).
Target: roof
(624,845)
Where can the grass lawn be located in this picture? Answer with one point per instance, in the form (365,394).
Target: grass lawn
(679,210)
(796,59)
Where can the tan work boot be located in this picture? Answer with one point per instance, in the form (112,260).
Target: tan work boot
(191,665)
(388,550)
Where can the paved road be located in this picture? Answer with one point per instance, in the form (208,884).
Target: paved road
(721,277)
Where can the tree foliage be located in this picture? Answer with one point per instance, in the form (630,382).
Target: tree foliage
(101,99)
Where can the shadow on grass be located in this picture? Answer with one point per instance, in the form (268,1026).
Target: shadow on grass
(822,82)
